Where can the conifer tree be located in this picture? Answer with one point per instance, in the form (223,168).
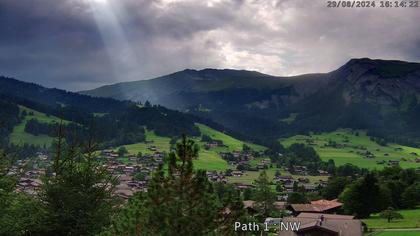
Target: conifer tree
(77,197)
(264,195)
(181,201)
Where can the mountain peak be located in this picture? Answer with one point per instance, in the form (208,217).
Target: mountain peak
(211,73)
(381,68)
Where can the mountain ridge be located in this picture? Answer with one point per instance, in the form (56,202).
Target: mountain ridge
(364,93)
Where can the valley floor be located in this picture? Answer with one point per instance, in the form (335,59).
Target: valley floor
(355,147)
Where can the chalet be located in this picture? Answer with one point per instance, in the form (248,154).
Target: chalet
(29,186)
(124,193)
(323,224)
(280,205)
(243,186)
(300,170)
(323,173)
(236,154)
(266,162)
(250,206)
(303,180)
(309,187)
(282,197)
(128,169)
(320,206)
(272,221)
(213,144)
(322,183)
(113,155)
(262,166)
(237,173)
(285,178)
(288,187)
(393,162)
(106,152)
(124,178)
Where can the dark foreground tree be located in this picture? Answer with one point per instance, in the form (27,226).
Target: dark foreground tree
(264,195)
(365,196)
(19,214)
(410,198)
(77,197)
(179,202)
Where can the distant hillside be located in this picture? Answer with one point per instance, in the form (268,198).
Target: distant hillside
(355,147)
(378,95)
(112,122)
(19,136)
(174,90)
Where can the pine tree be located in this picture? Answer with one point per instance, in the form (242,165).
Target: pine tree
(78,196)
(264,195)
(365,196)
(179,202)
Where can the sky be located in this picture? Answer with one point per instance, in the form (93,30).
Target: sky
(83,44)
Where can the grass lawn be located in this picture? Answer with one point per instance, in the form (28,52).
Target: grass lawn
(249,176)
(161,143)
(353,145)
(232,143)
(208,159)
(19,136)
(398,233)
(411,220)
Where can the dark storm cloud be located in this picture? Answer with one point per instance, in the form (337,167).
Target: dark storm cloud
(80,44)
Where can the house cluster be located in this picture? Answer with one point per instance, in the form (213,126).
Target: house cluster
(134,173)
(264,164)
(317,218)
(320,206)
(299,170)
(213,144)
(30,178)
(237,157)
(320,218)
(290,183)
(323,224)
(215,176)
(241,161)
(30,182)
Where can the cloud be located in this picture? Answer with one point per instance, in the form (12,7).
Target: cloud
(81,44)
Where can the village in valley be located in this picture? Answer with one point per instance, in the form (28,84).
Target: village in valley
(134,170)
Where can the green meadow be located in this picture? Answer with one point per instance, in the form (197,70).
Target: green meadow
(398,233)
(232,143)
(208,159)
(411,220)
(352,145)
(19,136)
(250,176)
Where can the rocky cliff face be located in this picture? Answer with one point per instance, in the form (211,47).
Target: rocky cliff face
(377,81)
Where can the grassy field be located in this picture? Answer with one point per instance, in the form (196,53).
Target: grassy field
(208,159)
(161,143)
(19,136)
(249,176)
(398,233)
(411,220)
(232,143)
(352,147)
